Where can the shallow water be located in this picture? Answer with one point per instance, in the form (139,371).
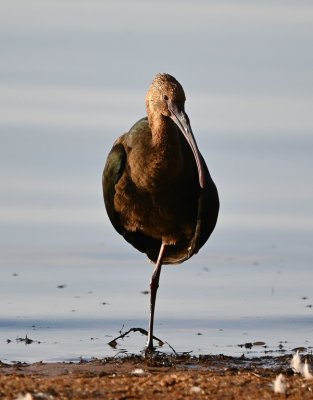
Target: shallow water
(74,311)
(66,95)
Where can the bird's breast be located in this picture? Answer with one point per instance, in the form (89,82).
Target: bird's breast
(166,214)
(152,168)
(158,191)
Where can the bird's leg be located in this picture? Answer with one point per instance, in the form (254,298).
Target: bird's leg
(194,244)
(154,284)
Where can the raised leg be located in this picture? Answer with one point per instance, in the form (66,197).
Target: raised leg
(154,284)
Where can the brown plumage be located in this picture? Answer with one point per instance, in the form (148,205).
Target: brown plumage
(157,188)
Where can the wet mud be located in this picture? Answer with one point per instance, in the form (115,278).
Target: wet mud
(156,376)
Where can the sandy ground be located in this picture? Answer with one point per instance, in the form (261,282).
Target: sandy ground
(157,377)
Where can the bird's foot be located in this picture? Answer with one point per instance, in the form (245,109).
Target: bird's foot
(150,347)
(194,246)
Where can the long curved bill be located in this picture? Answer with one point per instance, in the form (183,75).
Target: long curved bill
(182,121)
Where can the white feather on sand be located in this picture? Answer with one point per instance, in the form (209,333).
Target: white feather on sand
(296,363)
(306,371)
(279,384)
(299,367)
(26,396)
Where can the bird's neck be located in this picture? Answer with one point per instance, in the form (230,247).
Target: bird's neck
(164,159)
(165,136)
(166,147)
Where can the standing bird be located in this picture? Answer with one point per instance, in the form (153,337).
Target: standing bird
(157,189)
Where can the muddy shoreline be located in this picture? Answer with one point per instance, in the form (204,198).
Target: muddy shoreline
(155,377)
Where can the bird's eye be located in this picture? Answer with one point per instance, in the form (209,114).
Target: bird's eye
(165,97)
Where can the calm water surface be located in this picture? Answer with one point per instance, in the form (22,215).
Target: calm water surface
(209,305)
(73,77)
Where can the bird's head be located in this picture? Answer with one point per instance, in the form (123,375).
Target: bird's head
(166,97)
(164,91)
